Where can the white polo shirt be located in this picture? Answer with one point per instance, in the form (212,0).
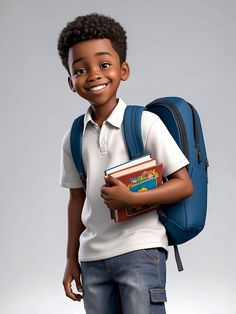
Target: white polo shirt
(104,148)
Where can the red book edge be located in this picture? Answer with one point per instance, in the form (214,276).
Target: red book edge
(121,214)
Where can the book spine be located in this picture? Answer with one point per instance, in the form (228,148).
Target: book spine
(128,213)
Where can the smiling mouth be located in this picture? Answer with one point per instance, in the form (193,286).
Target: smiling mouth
(98,87)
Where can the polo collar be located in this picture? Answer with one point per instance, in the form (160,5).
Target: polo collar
(115,118)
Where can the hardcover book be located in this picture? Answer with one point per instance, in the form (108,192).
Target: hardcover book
(128,164)
(143,174)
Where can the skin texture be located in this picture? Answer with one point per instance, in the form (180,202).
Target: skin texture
(75,228)
(95,64)
(117,195)
(91,63)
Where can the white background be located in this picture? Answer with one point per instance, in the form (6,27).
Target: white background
(185,48)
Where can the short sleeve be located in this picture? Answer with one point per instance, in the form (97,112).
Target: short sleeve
(69,176)
(161,145)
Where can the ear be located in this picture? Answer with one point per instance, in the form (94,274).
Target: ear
(125,71)
(71,84)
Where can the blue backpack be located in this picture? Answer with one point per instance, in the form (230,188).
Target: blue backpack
(185,219)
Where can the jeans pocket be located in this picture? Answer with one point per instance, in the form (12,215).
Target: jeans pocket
(152,254)
(158,295)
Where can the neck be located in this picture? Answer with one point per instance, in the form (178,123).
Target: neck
(101,113)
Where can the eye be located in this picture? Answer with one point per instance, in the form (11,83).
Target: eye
(80,71)
(105,65)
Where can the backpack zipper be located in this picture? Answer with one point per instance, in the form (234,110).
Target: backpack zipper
(196,136)
(179,119)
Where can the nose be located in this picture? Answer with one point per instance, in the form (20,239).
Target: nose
(94,75)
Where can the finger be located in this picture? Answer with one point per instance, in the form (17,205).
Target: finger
(104,196)
(78,285)
(106,178)
(103,190)
(70,294)
(104,199)
(111,181)
(67,288)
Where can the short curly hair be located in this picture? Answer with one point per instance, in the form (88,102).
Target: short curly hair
(92,26)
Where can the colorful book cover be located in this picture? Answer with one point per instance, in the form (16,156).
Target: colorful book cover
(139,181)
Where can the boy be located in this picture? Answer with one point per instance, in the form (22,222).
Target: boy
(128,257)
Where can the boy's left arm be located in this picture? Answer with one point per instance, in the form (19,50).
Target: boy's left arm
(117,195)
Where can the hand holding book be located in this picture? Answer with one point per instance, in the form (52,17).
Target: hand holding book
(137,175)
(115,193)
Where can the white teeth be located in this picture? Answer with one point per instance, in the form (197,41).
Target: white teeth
(98,87)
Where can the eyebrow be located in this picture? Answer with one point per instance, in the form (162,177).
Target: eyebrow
(97,54)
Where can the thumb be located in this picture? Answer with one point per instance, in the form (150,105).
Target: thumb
(78,285)
(111,181)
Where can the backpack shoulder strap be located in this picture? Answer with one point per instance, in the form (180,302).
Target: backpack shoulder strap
(134,143)
(76,146)
(133,132)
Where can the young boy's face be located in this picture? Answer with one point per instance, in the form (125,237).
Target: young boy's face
(96,71)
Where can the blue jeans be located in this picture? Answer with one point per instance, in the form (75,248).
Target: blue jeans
(134,281)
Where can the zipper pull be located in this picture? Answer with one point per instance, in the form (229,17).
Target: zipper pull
(207,165)
(199,154)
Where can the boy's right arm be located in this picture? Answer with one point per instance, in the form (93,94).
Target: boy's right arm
(75,228)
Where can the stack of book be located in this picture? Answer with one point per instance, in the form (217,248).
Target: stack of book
(140,175)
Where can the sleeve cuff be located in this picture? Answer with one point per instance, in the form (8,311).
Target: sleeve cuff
(71,185)
(176,167)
